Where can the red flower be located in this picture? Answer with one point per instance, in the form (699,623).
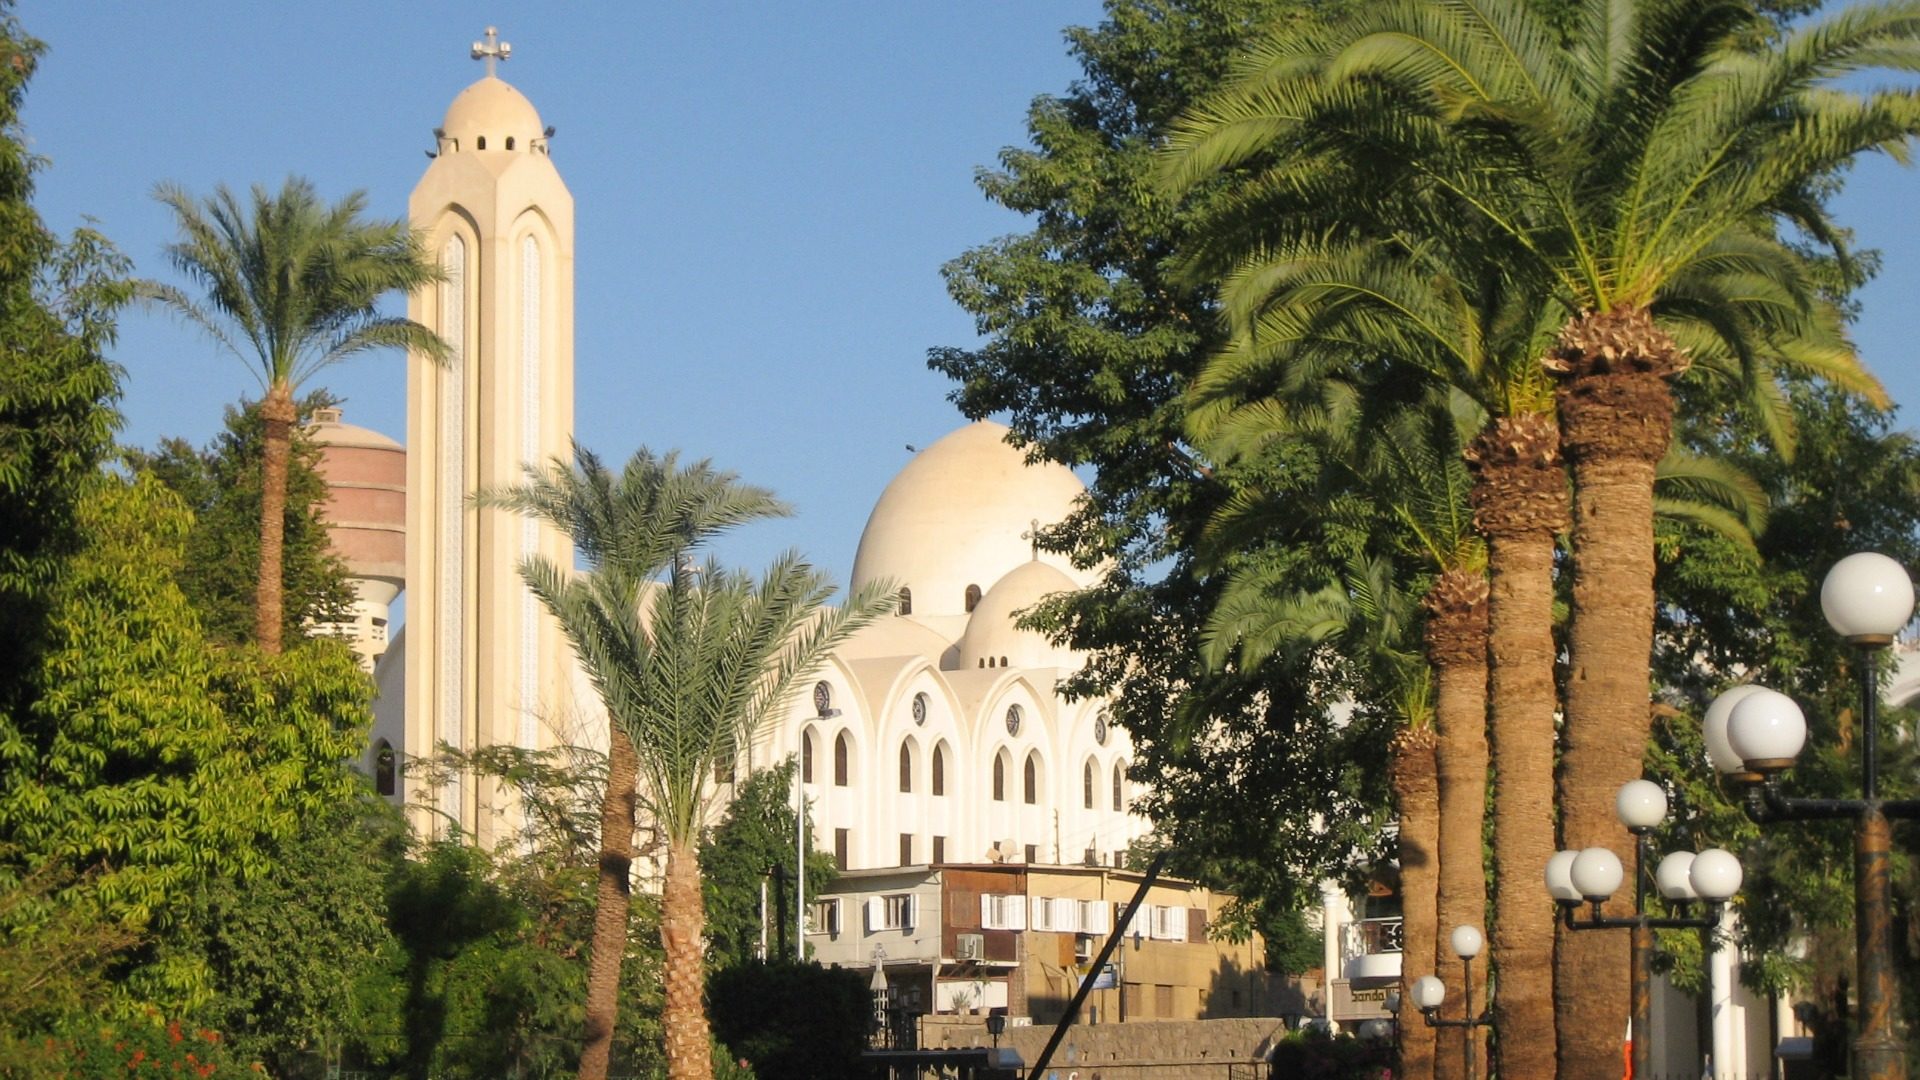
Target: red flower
(173,1031)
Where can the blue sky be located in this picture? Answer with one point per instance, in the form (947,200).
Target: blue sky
(765,194)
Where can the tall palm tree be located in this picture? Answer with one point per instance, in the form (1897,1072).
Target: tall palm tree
(1406,462)
(689,660)
(291,286)
(1620,155)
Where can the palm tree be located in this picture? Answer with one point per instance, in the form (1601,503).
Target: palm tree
(291,286)
(689,667)
(1653,142)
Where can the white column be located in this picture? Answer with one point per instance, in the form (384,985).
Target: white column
(1729,1057)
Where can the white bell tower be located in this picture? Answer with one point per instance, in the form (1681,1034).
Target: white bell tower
(486,664)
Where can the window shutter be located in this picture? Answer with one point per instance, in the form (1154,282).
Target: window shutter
(1017,916)
(1196,924)
(913,911)
(1037,913)
(987,921)
(1099,917)
(876,913)
(1178,931)
(1065,914)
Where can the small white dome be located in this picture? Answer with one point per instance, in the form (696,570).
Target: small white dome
(493,110)
(962,514)
(992,639)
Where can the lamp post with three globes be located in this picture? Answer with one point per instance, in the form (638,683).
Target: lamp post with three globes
(1429,991)
(1682,877)
(1753,735)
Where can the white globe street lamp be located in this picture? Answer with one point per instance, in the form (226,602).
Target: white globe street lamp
(1429,993)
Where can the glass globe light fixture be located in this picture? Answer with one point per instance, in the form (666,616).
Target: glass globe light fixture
(1767,729)
(1597,873)
(1428,992)
(1713,727)
(1715,874)
(1641,804)
(1560,877)
(1867,598)
(1466,941)
(1671,876)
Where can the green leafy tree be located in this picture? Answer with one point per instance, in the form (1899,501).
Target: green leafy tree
(1090,342)
(221,484)
(754,844)
(291,286)
(688,668)
(793,1021)
(57,389)
(158,758)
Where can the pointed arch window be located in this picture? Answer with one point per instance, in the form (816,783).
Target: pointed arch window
(841,752)
(1086,785)
(906,601)
(384,768)
(480,142)
(906,767)
(973,598)
(1119,786)
(1000,778)
(806,756)
(1030,781)
(940,769)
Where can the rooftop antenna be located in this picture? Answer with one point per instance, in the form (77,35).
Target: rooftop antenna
(492,50)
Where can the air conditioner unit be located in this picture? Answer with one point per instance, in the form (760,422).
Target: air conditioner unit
(1082,948)
(969,947)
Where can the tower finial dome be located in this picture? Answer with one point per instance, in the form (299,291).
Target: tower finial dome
(491,115)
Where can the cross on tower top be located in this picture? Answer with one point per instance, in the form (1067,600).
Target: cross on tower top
(1032,536)
(492,50)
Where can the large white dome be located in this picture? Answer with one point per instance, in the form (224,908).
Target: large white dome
(961,514)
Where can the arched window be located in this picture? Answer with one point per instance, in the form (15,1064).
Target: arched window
(1000,778)
(1119,785)
(906,601)
(384,768)
(806,756)
(940,769)
(840,753)
(509,142)
(906,767)
(1030,781)
(1086,785)
(973,597)
(480,142)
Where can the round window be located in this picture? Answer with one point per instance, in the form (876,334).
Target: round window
(919,708)
(1100,729)
(1013,719)
(822,698)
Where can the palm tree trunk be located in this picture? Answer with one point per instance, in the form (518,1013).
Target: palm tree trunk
(1416,786)
(1520,504)
(1456,640)
(278,413)
(1616,417)
(683,921)
(611,904)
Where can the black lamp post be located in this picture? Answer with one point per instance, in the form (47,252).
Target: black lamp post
(1683,877)
(1429,991)
(1753,735)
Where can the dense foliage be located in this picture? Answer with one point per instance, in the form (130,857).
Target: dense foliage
(754,844)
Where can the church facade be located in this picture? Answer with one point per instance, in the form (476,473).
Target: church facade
(935,735)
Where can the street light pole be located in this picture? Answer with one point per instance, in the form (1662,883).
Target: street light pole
(1593,875)
(1429,992)
(1867,599)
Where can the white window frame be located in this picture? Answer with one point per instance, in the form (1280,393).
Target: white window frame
(893,911)
(1003,911)
(824,909)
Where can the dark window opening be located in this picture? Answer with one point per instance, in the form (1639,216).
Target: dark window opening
(906,601)
(940,770)
(999,779)
(1033,853)
(939,849)
(806,757)
(906,849)
(480,142)
(1086,786)
(1030,782)
(1119,782)
(906,768)
(840,752)
(509,142)
(973,598)
(842,840)
(385,768)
